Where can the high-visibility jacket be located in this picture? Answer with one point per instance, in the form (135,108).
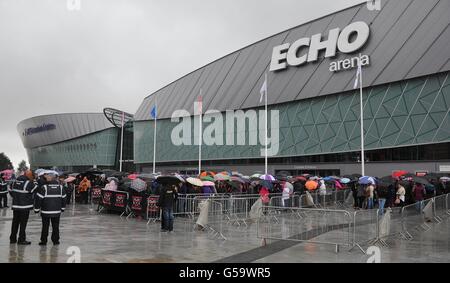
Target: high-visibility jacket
(22,193)
(50,200)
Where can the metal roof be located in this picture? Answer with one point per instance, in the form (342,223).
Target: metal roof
(409,38)
(50,129)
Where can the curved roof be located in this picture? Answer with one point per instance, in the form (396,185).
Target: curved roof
(409,38)
(50,129)
(115,117)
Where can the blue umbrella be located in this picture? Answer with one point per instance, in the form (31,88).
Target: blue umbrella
(365,180)
(345,180)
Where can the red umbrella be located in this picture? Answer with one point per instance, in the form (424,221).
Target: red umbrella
(132,176)
(400,173)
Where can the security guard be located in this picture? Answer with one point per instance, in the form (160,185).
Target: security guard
(50,201)
(3,192)
(22,195)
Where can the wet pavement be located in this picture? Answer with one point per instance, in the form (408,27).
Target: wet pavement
(110,239)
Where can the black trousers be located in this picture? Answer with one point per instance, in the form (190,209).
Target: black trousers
(55,229)
(20,220)
(84,197)
(3,200)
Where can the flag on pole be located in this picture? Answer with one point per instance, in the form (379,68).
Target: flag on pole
(263,90)
(154,112)
(200,105)
(358,73)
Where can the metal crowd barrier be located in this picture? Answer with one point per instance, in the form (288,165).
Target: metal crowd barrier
(152,209)
(319,226)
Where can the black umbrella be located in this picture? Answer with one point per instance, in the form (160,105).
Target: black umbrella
(168,180)
(420,180)
(387,180)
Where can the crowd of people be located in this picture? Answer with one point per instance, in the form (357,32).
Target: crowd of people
(47,192)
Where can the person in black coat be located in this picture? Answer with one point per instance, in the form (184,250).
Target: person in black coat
(167,198)
(50,201)
(22,202)
(3,192)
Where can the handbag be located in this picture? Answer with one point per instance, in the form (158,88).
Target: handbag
(397,201)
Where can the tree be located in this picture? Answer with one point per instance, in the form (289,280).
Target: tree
(22,166)
(5,162)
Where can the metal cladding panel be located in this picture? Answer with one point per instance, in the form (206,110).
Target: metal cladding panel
(418,44)
(386,17)
(314,84)
(67,126)
(396,39)
(408,39)
(432,61)
(183,102)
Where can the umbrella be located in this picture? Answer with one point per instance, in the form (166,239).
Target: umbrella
(48,172)
(365,180)
(236,173)
(266,184)
(445,179)
(70,179)
(225,173)
(267,177)
(132,176)
(345,180)
(328,179)
(207,173)
(311,185)
(255,176)
(168,180)
(113,179)
(37,172)
(221,177)
(301,178)
(420,180)
(289,185)
(387,180)
(195,182)
(181,179)
(138,185)
(207,178)
(399,173)
(208,184)
(237,179)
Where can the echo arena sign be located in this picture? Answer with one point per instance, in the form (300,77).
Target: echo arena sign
(306,50)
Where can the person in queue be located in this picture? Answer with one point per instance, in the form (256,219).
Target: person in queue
(50,201)
(166,202)
(401,195)
(22,202)
(3,192)
(84,187)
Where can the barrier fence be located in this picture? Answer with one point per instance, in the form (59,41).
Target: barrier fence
(311,217)
(363,227)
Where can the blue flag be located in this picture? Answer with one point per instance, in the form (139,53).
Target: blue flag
(154,113)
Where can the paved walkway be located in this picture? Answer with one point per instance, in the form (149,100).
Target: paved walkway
(108,238)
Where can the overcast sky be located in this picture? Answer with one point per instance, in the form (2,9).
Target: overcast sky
(113,53)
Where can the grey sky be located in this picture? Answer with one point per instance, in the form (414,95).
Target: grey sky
(115,52)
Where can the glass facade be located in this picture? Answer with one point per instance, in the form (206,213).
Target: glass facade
(326,129)
(95,149)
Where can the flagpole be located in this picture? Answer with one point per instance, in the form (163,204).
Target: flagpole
(154,136)
(362,118)
(121,143)
(266,125)
(200,135)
